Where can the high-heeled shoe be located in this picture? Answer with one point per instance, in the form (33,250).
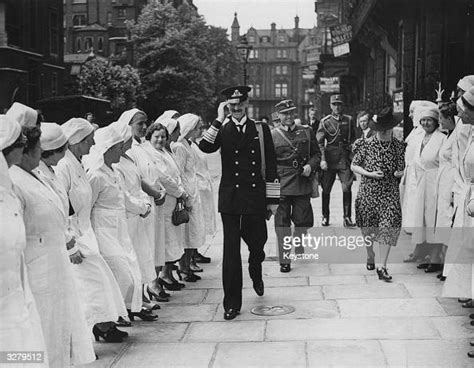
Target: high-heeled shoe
(112,335)
(122,322)
(191,277)
(120,332)
(153,295)
(143,315)
(169,286)
(383,274)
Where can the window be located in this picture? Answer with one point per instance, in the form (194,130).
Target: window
(281,90)
(281,69)
(255,91)
(121,13)
(53,32)
(89,44)
(54,84)
(390,75)
(78,45)
(79,1)
(100,44)
(109,18)
(265,39)
(253,54)
(281,39)
(282,53)
(75,69)
(252,39)
(79,20)
(253,111)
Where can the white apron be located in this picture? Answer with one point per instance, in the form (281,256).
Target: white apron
(426,165)
(110,226)
(67,337)
(206,192)
(459,263)
(444,185)
(164,168)
(186,160)
(95,281)
(136,203)
(408,182)
(20,325)
(154,223)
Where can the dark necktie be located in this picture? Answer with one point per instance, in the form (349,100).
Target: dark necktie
(241,128)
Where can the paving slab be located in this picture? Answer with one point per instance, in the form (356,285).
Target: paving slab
(427,353)
(365,291)
(390,308)
(298,269)
(303,310)
(408,279)
(234,330)
(453,327)
(265,354)
(188,296)
(351,329)
(289,293)
(452,307)
(347,353)
(187,313)
(107,353)
(167,355)
(156,332)
(337,280)
(425,290)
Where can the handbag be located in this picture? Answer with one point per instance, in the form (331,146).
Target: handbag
(180,213)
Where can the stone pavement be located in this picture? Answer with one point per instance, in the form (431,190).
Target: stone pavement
(344,316)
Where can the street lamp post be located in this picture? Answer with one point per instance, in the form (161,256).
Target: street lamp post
(244,50)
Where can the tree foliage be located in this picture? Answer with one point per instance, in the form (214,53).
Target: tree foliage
(182,62)
(119,84)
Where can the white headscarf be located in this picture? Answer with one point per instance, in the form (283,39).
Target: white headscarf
(168,114)
(420,105)
(52,136)
(76,129)
(24,115)
(428,112)
(104,138)
(466,82)
(169,124)
(10,130)
(187,122)
(122,125)
(128,115)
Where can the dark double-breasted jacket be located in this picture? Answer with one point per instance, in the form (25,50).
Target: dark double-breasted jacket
(242,189)
(335,136)
(292,157)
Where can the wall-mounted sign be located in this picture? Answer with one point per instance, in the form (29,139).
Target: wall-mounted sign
(341,34)
(341,50)
(329,85)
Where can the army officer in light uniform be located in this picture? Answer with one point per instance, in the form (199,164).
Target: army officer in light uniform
(298,156)
(335,135)
(245,195)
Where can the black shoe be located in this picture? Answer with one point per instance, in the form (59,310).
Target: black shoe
(433,267)
(112,335)
(120,332)
(469,304)
(169,286)
(143,315)
(423,266)
(122,322)
(383,274)
(159,297)
(470,354)
(231,314)
(285,268)
(199,258)
(258,287)
(348,222)
(471,342)
(325,221)
(464,300)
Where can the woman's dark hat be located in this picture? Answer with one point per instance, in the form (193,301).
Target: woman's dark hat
(236,94)
(385,120)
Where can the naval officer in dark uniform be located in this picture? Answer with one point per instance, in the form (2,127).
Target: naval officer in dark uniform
(298,157)
(335,135)
(249,191)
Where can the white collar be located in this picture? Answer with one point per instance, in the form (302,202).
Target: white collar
(288,128)
(241,122)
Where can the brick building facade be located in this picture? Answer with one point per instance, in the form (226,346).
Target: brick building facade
(275,67)
(31,51)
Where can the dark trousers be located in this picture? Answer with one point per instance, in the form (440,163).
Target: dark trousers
(253,230)
(297,209)
(346,176)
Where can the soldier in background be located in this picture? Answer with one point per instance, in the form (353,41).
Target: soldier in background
(298,156)
(335,135)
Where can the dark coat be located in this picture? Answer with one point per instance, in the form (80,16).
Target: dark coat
(242,189)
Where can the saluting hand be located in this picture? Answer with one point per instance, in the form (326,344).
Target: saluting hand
(221,111)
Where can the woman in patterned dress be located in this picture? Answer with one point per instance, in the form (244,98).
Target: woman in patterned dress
(380,161)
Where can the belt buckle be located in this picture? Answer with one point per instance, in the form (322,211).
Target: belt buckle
(295,164)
